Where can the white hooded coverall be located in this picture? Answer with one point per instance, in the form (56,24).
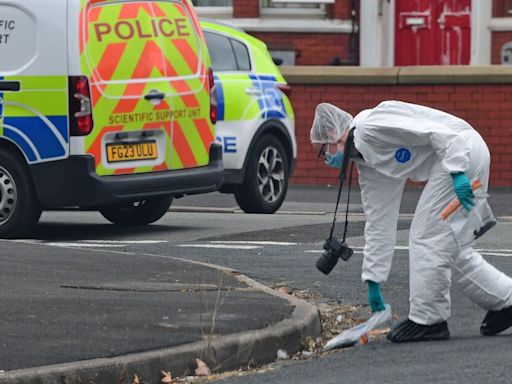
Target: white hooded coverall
(398,141)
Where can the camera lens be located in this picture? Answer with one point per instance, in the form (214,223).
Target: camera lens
(326,262)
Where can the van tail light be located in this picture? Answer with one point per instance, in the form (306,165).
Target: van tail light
(285,88)
(213,97)
(80,111)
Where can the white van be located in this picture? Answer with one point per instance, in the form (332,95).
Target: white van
(104,105)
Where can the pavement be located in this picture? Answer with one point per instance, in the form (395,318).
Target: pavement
(147,313)
(119,314)
(322,199)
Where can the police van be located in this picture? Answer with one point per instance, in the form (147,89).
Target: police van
(104,104)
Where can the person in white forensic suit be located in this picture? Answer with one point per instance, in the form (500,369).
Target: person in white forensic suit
(396,141)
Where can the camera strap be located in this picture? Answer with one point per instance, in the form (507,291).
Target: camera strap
(343,173)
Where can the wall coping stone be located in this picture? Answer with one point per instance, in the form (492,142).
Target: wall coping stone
(454,74)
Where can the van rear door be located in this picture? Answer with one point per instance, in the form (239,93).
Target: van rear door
(147,68)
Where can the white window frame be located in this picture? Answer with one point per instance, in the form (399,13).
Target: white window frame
(305,1)
(281,19)
(377,37)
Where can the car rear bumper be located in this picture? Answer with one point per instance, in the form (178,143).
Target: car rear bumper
(73,182)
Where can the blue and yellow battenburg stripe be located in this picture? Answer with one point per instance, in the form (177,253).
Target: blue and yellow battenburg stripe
(35,119)
(270,101)
(1,109)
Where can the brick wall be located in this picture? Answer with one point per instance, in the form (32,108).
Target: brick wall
(487,107)
(341,9)
(311,48)
(246,8)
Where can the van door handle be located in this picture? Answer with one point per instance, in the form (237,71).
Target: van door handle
(154,96)
(10,86)
(253,91)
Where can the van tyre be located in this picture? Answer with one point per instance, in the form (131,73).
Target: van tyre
(266,177)
(136,213)
(19,206)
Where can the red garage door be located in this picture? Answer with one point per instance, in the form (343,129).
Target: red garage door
(432,32)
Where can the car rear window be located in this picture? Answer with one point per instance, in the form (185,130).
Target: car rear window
(141,39)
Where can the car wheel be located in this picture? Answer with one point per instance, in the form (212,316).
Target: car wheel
(20,209)
(140,212)
(266,178)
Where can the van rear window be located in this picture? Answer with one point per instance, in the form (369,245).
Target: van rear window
(140,40)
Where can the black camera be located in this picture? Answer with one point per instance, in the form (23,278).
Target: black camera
(334,250)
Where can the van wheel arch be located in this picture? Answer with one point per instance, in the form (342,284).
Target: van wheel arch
(7,145)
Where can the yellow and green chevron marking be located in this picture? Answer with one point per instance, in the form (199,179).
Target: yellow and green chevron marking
(130,49)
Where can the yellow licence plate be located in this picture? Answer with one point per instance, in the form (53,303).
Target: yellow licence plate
(132,151)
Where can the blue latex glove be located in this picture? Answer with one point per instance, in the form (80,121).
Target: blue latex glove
(334,161)
(375,297)
(463,190)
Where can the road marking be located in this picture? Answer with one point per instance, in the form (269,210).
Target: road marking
(322,251)
(219,246)
(82,245)
(482,251)
(92,243)
(284,243)
(496,254)
(124,241)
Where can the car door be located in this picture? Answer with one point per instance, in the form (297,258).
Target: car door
(237,97)
(33,79)
(150,93)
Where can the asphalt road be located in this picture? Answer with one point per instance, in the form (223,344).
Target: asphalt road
(283,248)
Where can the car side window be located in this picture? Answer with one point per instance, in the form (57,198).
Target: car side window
(221,52)
(241,55)
(227,54)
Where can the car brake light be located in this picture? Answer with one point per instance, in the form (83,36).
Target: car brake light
(285,88)
(213,97)
(80,112)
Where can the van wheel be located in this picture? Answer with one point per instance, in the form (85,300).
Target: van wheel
(19,206)
(266,178)
(140,212)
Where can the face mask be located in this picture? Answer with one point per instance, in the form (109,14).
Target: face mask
(334,161)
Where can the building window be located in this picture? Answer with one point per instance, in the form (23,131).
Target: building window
(314,4)
(212,3)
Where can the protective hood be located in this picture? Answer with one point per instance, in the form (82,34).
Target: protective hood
(330,124)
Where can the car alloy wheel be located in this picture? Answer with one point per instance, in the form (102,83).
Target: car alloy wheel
(271,174)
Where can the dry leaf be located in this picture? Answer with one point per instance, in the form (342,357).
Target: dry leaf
(166,377)
(285,290)
(136,379)
(378,332)
(202,369)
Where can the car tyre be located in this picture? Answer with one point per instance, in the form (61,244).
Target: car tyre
(135,213)
(20,209)
(266,177)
